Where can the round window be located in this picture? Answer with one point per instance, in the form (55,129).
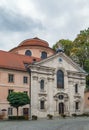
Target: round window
(61,97)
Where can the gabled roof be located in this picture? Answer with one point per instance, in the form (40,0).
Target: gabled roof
(14,61)
(76,66)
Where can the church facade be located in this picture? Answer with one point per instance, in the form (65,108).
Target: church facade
(53,81)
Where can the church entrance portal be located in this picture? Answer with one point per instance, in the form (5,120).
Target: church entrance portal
(61,108)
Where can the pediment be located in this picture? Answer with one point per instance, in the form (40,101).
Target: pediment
(60,61)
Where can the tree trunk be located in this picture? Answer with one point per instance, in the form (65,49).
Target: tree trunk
(17,111)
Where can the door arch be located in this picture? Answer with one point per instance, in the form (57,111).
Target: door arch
(61,108)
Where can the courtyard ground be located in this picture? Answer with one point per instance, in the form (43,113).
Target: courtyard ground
(44,124)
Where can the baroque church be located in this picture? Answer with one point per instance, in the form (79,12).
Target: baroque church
(53,81)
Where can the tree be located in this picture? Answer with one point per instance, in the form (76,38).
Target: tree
(65,44)
(78,50)
(81,47)
(18,99)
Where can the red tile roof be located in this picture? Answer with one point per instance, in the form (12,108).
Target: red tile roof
(34,42)
(14,61)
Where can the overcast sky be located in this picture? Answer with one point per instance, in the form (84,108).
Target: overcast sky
(50,20)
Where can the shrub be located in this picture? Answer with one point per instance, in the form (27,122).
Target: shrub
(74,115)
(16,118)
(63,115)
(50,116)
(84,114)
(34,117)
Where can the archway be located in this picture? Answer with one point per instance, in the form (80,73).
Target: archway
(61,108)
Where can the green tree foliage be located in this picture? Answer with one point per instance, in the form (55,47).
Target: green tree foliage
(78,50)
(87,81)
(18,99)
(81,47)
(66,45)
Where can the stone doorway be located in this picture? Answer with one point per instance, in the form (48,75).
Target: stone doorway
(61,108)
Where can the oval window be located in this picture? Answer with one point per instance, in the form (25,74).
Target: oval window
(28,53)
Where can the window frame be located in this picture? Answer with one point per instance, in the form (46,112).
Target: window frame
(43,55)
(42,84)
(10,78)
(76,88)
(10,111)
(60,79)
(10,91)
(42,104)
(26,92)
(77,105)
(28,53)
(61,97)
(25,79)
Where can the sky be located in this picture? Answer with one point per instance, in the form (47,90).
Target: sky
(50,20)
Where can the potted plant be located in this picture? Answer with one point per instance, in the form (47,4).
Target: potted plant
(50,116)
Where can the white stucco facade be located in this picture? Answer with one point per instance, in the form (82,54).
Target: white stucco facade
(47,70)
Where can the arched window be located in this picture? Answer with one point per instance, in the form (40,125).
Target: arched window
(42,84)
(60,79)
(28,53)
(43,55)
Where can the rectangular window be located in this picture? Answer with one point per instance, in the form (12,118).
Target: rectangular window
(10,78)
(10,91)
(10,111)
(25,79)
(26,92)
(42,105)
(76,88)
(76,105)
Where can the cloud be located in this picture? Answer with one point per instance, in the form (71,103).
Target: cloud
(16,22)
(47,19)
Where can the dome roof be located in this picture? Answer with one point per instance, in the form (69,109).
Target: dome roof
(34,42)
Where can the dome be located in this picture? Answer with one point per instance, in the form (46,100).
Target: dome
(34,42)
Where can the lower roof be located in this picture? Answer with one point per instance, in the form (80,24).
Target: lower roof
(14,61)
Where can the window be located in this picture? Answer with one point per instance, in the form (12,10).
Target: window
(26,92)
(61,97)
(43,55)
(76,105)
(25,111)
(10,78)
(76,88)
(41,104)
(42,84)
(10,111)
(28,53)
(25,79)
(60,79)
(10,91)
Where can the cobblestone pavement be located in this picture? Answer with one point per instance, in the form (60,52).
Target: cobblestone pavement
(44,124)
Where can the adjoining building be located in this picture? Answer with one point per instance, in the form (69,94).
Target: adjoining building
(55,83)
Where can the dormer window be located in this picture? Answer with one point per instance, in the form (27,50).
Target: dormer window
(43,55)
(28,53)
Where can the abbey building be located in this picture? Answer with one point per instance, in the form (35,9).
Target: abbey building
(53,81)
